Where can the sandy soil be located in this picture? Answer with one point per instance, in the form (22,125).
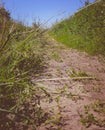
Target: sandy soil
(75,96)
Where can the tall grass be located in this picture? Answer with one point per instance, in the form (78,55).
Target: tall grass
(85,30)
(21,55)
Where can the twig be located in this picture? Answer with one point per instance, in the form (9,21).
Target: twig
(66,78)
(4,110)
(80,78)
(23,33)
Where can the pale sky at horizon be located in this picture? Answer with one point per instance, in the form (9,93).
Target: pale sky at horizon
(41,10)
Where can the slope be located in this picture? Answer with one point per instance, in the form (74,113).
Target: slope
(85,30)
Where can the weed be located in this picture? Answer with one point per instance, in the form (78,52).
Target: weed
(88,118)
(96,89)
(87,109)
(72,96)
(75,73)
(56,120)
(56,56)
(99,106)
(62,91)
(59,70)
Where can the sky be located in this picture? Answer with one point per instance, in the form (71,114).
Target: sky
(46,12)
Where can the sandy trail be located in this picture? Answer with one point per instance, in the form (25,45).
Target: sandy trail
(73,99)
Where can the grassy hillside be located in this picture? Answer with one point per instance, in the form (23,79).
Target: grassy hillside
(85,30)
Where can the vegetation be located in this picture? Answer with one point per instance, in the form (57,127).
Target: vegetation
(21,55)
(91,114)
(78,74)
(85,30)
(22,51)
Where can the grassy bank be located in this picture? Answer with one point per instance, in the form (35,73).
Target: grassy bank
(85,30)
(21,56)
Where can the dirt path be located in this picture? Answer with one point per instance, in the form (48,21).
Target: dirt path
(76,84)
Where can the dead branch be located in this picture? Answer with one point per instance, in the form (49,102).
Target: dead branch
(7,111)
(23,33)
(67,78)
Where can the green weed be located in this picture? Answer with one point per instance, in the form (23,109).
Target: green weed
(88,120)
(56,56)
(90,116)
(75,73)
(55,120)
(99,107)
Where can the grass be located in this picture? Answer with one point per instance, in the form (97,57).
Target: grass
(56,56)
(75,73)
(84,30)
(93,114)
(21,56)
(99,106)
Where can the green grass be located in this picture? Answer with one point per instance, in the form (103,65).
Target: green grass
(55,56)
(85,30)
(21,56)
(78,74)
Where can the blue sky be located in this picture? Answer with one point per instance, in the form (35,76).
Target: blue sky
(42,10)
